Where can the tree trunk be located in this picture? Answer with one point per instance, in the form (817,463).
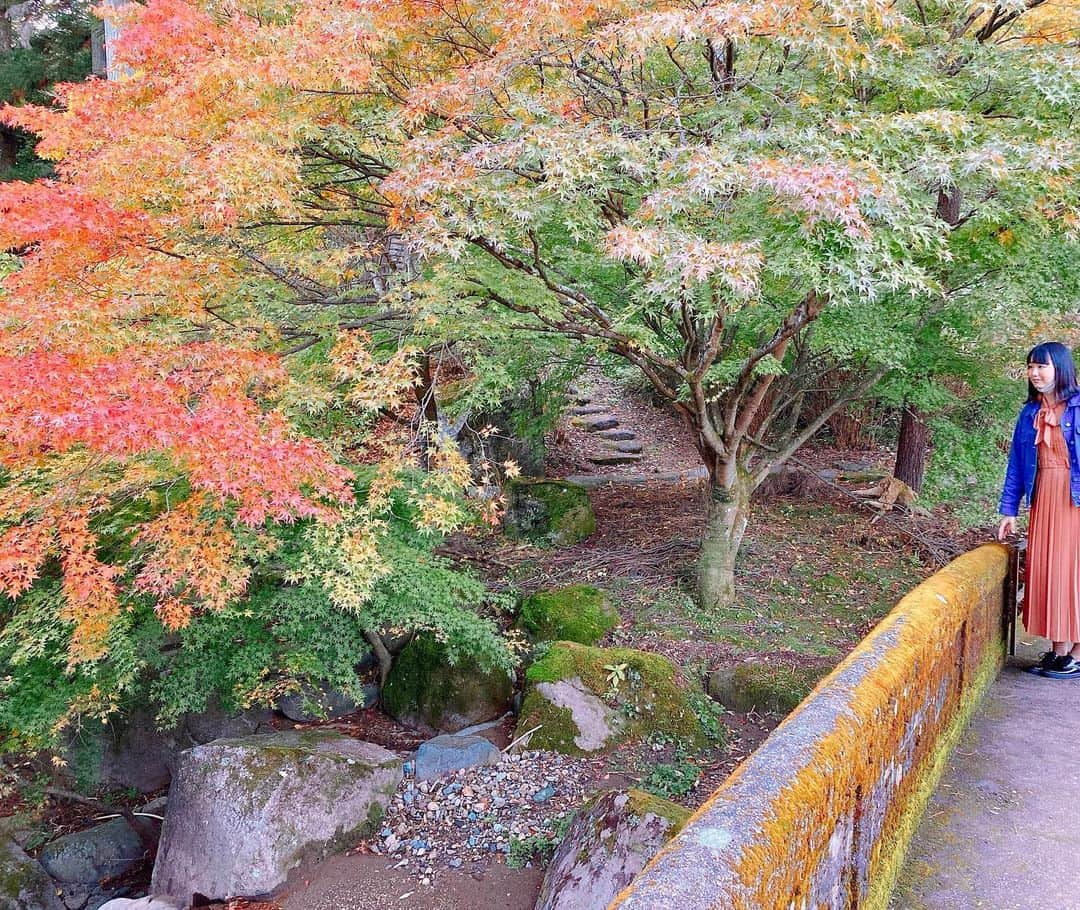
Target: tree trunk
(911,448)
(98,63)
(9,150)
(112,34)
(7,32)
(729,511)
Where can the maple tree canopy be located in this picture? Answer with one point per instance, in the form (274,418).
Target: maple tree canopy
(638,174)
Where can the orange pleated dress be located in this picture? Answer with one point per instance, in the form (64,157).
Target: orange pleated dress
(1052,598)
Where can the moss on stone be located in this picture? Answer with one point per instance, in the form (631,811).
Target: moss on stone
(557,730)
(642,804)
(764,687)
(287,753)
(23,883)
(425,688)
(640,688)
(549,512)
(577,613)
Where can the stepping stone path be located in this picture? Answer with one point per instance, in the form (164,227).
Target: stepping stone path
(620,445)
(599,422)
(618,435)
(615,457)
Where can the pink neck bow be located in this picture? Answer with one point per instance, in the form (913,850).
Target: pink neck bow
(1045,418)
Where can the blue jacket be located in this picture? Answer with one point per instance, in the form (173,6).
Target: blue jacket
(1023,463)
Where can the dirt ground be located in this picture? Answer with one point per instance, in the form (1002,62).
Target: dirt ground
(357,882)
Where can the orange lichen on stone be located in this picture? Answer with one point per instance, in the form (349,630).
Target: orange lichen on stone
(819,816)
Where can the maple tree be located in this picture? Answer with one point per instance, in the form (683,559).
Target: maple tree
(737,197)
(729,196)
(165,421)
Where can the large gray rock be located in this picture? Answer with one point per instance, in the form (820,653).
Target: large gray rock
(608,843)
(88,856)
(243,812)
(445,754)
(24,885)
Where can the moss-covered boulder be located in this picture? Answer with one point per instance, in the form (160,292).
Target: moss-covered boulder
(584,699)
(24,885)
(609,842)
(424,689)
(578,613)
(773,688)
(548,512)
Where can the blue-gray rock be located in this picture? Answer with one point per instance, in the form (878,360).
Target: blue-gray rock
(243,812)
(24,885)
(542,796)
(88,856)
(445,754)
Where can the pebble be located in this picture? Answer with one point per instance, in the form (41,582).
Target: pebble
(542,796)
(476,814)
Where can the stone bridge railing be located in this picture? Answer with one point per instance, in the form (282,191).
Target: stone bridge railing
(820,815)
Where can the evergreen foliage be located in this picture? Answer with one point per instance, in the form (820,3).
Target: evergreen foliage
(59,53)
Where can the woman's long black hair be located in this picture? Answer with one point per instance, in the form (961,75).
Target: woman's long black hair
(1064,371)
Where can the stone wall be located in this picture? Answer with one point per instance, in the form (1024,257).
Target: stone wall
(820,815)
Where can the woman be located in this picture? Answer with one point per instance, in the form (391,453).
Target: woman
(1044,467)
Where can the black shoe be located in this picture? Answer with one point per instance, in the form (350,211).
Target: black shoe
(1046,662)
(1065,667)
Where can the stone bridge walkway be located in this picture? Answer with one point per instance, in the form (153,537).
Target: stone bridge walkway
(1002,831)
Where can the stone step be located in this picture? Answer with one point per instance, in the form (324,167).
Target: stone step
(615,458)
(588,410)
(617,435)
(631,446)
(595,422)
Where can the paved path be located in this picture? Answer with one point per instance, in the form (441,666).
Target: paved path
(1002,831)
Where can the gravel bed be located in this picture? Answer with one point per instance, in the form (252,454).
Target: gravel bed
(469,817)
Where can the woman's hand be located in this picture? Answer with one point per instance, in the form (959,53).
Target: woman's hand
(1007,527)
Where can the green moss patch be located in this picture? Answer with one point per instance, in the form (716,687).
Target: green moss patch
(640,690)
(23,883)
(549,512)
(642,804)
(775,688)
(579,613)
(557,728)
(425,689)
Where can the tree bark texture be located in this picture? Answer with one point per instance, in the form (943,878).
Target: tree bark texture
(911,448)
(7,33)
(9,149)
(729,512)
(98,63)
